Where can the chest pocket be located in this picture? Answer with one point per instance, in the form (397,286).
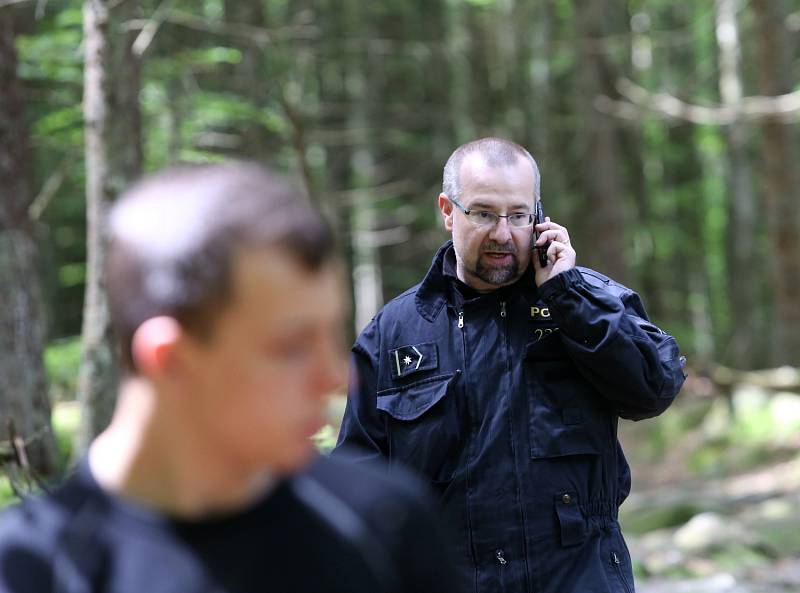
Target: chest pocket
(422,424)
(566,415)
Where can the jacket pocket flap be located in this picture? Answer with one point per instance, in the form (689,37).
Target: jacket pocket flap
(570,519)
(411,401)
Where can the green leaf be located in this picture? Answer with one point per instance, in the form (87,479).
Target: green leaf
(59,120)
(62,360)
(211,55)
(72,274)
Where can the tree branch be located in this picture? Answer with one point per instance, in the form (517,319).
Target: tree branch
(259,35)
(52,185)
(640,102)
(4,3)
(150,28)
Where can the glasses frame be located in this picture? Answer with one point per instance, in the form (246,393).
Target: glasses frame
(467,212)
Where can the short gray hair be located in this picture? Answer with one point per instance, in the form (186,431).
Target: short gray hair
(496,152)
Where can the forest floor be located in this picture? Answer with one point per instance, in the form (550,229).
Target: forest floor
(716,490)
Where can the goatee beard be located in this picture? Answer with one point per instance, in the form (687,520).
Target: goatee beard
(498,275)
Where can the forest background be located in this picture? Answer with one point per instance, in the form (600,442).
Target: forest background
(667,137)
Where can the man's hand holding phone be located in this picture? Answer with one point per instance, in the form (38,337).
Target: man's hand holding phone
(551,240)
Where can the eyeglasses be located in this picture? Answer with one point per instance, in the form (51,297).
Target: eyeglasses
(486,220)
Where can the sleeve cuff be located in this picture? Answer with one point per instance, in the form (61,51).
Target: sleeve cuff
(559,284)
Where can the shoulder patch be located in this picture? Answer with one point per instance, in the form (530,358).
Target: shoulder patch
(414,358)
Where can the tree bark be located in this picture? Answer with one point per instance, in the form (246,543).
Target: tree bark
(744,277)
(689,278)
(23,384)
(249,78)
(458,47)
(367,280)
(781,190)
(601,243)
(113,159)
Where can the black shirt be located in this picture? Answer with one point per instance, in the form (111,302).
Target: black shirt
(335,528)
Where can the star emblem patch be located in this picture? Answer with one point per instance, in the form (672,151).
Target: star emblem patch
(413,358)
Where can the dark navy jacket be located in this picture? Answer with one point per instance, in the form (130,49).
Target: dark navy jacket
(508,404)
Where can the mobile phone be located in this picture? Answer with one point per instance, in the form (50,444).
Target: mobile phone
(538,218)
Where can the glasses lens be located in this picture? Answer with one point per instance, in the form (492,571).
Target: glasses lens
(520,220)
(483,218)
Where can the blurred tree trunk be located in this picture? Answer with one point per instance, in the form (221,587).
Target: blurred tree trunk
(367,282)
(686,205)
(23,384)
(249,78)
(634,148)
(601,243)
(781,190)
(744,272)
(505,81)
(334,98)
(483,113)
(533,27)
(443,134)
(458,46)
(298,97)
(113,159)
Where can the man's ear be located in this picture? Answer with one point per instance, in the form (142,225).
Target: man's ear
(446,206)
(153,345)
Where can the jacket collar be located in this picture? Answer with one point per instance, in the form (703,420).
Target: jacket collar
(432,294)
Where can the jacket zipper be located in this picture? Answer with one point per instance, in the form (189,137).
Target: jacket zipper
(500,555)
(467,477)
(622,578)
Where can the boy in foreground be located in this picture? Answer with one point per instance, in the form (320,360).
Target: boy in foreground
(226,302)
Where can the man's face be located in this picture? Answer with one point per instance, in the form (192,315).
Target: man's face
(257,388)
(490,258)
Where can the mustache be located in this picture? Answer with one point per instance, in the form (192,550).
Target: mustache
(496,248)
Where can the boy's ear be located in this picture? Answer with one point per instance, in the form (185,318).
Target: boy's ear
(446,207)
(153,345)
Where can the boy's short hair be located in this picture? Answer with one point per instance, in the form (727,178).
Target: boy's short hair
(173,236)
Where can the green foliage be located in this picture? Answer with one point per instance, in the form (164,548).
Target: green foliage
(755,429)
(325,439)
(659,517)
(62,360)
(210,110)
(6,493)
(214,9)
(66,122)
(72,274)
(737,556)
(66,422)
(208,57)
(714,437)
(53,57)
(782,533)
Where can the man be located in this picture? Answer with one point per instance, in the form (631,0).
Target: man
(227,304)
(501,380)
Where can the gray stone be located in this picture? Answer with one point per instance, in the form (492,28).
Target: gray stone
(708,531)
